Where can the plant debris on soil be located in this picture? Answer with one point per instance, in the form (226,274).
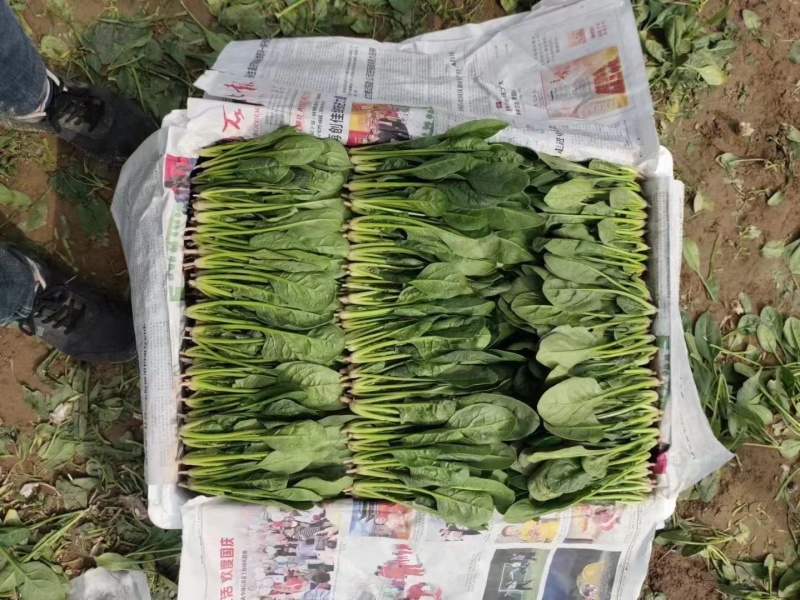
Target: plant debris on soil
(72,492)
(726,83)
(736,154)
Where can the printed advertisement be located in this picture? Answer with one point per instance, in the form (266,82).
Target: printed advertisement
(590,86)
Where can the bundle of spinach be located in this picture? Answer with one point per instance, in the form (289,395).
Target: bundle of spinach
(265,252)
(405,343)
(442,384)
(587,303)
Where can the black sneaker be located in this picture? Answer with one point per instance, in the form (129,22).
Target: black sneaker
(79,320)
(101,123)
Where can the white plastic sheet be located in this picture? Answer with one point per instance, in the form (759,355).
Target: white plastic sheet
(102,584)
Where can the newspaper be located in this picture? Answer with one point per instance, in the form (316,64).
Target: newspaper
(568,76)
(355,550)
(570,79)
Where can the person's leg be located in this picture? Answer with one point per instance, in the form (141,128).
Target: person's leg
(24,86)
(102,123)
(17,286)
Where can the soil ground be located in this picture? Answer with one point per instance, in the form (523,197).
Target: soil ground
(762,94)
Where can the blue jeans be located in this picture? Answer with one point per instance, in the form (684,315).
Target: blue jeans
(23,80)
(17,286)
(23,85)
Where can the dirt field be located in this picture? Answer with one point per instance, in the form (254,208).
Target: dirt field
(764,92)
(742,117)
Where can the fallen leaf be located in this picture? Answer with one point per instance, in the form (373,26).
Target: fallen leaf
(790,449)
(59,452)
(54,48)
(751,20)
(701,203)
(773,249)
(361,25)
(73,496)
(691,254)
(776,198)
(794,52)
(116,562)
(37,215)
(12,519)
(745,302)
(712,75)
(14,536)
(793,257)
(93,217)
(13,199)
(406,7)
(712,287)
(751,232)
(728,161)
(41,582)
(793,136)
(654,47)
(37,401)
(673,109)
(743,535)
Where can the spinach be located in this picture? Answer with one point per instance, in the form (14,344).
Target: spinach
(397,322)
(264,259)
